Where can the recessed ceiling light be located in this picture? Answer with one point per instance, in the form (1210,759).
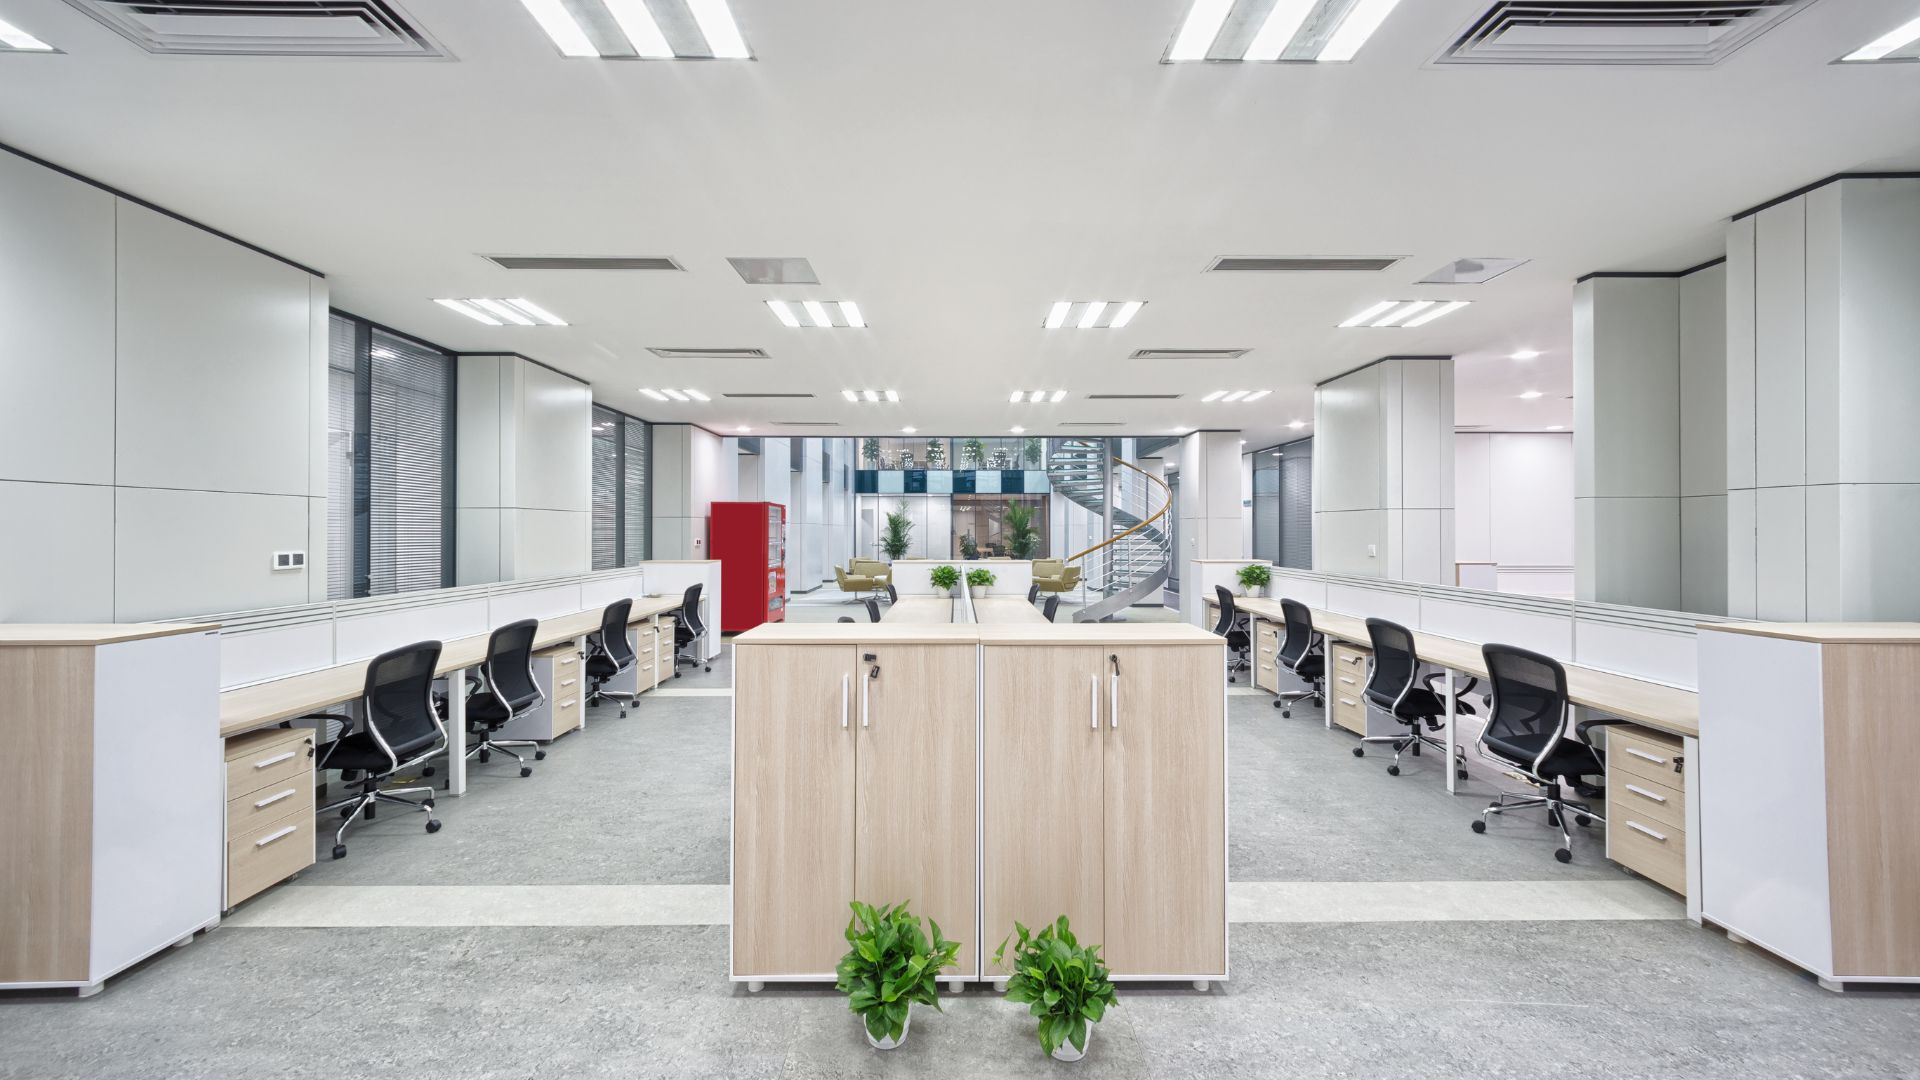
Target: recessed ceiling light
(676,395)
(870,395)
(1293,31)
(1362,20)
(1017,429)
(469,311)
(1035,396)
(502,311)
(850,395)
(1368,315)
(553,17)
(1556,427)
(1058,397)
(783,312)
(1233,396)
(1257,395)
(908,430)
(568,23)
(637,23)
(1476,271)
(1403,312)
(1213,397)
(1526,354)
(654,394)
(850,311)
(892,395)
(1127,311)
(1283,22)
(1017,397)
(1440,312)
(817,312)
(820,313)
(17,39)
(539,313)
(717,26)
(1296,425)
(1092,314)
(1057,315)
(1530,395)
(743,427)
(698,396)
(1891,41)
(1202,26)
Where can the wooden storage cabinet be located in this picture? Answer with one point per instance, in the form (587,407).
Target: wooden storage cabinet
(1266,656)
(1646,805)
(270,819)
(663,666)
(1346,678)
(569,677)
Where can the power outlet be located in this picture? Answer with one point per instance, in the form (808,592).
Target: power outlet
(289,560)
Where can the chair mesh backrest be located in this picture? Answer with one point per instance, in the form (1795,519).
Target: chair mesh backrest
(1529,693)
(873,609)
(510,663)
(1053,605)
(892,596)
(690,609)
(1299,631)
(399,698)
(1225,600)
(613,632)
(1394,664)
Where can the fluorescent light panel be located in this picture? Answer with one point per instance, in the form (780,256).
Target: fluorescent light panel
(1092,314)
(698,396)
(1017,395)
(857,396)
(892,396)
(850,395)
(850,311)
(1283,22)
(1213,397)
(553,17)
(1202,26)
(1233,396)
(675,394)
(1288,23)
(870,395)
(15,38)
(1440,312)
(501,311)
(539,313)
(642,32)
(1879,48)
(1127,311)
(1362,20)
(817,312)
(717,26)
(1257,395)
(783,312)
(1058,397)
(1057,316)
(468,310)
(1368,315)
(1404,312)
(654,394)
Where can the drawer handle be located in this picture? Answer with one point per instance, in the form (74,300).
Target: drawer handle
(274,760)
(1348,681)
(569,660)
(568,682)
(1645,794)
(265,840)
(1662,837)
(568,704)
(1348,701)
(1644,756)
(271,799)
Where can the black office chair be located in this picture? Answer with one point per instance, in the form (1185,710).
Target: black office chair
(893,597)
(1526,730)
(398,729)
(1239,645)
(509,691)
(1394,687)
(873,609)
(1052,605)
(1033,592)
(1304,653)
(844,618)
(688,628)
(609,653)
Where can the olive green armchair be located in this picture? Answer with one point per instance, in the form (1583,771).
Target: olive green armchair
(863,576)
(1055,576)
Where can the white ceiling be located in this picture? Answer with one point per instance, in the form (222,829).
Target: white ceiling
(955,168)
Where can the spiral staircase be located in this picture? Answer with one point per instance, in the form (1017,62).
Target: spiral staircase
(1134,562)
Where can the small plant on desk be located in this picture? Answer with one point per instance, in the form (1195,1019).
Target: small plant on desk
(944,578)
(1062,982)
(978,579)
(891,966)
(1254,578)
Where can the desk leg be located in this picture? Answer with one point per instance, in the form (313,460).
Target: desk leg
(1691,748)
(1453,767)
(457,732)
(580,646)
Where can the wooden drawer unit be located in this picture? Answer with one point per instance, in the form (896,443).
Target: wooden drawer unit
(1266,656)
(269,809)
(663,657)
(270,803)
(1646,805)
(261,759)
(1346,678)
(566,715)
(269,853)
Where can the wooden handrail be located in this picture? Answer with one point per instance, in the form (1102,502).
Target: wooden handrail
(1117,537)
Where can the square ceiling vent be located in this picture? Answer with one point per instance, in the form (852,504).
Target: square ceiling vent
(1615,32)
(360,28)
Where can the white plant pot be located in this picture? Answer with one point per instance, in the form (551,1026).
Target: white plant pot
(888,1044)
(982,590)
(1066,1052)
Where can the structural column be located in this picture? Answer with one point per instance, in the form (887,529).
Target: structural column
(1383,470)
(523,482)
(693,468)
(1823,370)
(1208,508)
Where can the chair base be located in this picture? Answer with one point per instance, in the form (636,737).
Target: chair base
(598,695)
(488,746)
(1286,699)
(1558,807)
(361,805)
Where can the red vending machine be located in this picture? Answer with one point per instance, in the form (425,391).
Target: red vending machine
(750,540)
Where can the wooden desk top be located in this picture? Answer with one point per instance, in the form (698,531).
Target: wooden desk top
(93,633)
(1884,633)
(1005,609)
(270,702)
(1656,705)
(920,609)
(895,632)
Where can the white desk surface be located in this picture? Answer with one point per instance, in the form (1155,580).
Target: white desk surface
(920,609)
(1005,609)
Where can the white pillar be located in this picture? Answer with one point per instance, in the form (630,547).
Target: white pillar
(1383,470)
(1209,509)
(523,476)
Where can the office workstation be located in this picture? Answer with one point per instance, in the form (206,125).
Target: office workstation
(1213,537)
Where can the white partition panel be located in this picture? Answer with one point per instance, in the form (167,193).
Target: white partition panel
(601,591)
(370,631)
(1545,626)
(672,578)
(1288,585)
(534,600)
(251,653)
(1642,642)
(1394,601)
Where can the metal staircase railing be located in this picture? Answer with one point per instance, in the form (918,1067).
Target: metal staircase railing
(1137,559)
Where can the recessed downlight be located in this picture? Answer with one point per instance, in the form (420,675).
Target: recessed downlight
(1295,425)
(909,430)
(1018,430)
(1529,395)
(1525,354)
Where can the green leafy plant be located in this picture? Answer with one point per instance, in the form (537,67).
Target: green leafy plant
(1062,982)
(973,454)
(899,535)
(944,577)
(1254,576)
(870,452)
(969,547)
(936,454)
(980,577)
(890,966)
(1032,451)
(1021,536)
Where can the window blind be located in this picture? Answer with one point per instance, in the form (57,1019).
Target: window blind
(342,406)
(410,395)
(636,496)
(1296,505)
(606,487)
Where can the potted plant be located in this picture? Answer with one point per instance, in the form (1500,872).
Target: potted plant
(944,578)
(978,579)
(1021,537)
(890,967)
(1032,451)
(973,454)
(899,535)
(870,452)
(1062,982)
(969,547)
(936,454)
(1254,578)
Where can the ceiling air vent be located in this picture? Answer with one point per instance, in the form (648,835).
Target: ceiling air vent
(583,262)
(1132,397)
(723,353)
(1262,263)
(1188,354)
(1600,32)
(266,27)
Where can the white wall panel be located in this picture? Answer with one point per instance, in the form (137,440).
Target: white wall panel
(1703,554)
(1780,553)
(1877,527)
(1740,353)
(1635,551)
(56,551)
(1351,542)
(554,442)
(549,543)
(1703,382)
(1531,505)
(56,326)
(1348,441)
(477,432)
(1879,327)
(1743,598)
(1473,497)
(1780,345)
(476,555)
(185,553)
(215,349)
(1824,278)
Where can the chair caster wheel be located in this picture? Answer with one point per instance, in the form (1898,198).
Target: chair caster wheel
(1480,826)
(1286,713)
(433,825)
(678,674)
(623,714)
(1359,751)
(1582,819)
(526,770)
(428,771)
(709,667)
(1232,679)
(539,755)
(346,811)
(486,756)
(1553,820)
(1393,770)
(339,851)
(1563,854)
(1460,774)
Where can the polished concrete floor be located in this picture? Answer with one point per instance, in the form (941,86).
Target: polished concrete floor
(572,924)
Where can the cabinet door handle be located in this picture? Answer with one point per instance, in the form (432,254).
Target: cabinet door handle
(274,760)
(1113,709)
(1645,794)
(865,704)
(265,840)
(1662,837)
(1093,702)
(1644,756)
(845,679)
(271,799)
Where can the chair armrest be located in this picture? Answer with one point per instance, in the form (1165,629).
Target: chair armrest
(1583,727)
